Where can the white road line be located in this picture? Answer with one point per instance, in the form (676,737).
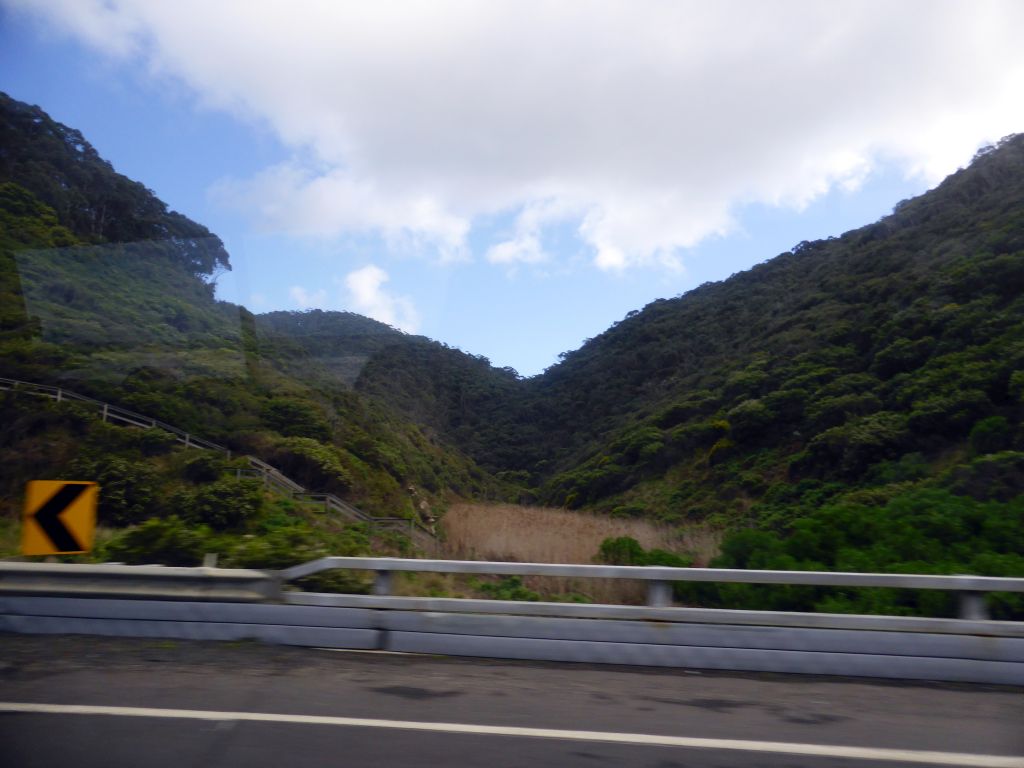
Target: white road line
(639,739)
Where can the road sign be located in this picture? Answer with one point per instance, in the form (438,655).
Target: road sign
(60,517)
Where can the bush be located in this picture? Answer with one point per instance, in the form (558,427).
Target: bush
(848,450)
(296,418)
(621,551)
(749,419)
(167,541)
(155,442)
(285,541)
(1016,386)
(918,531)
(226,505)
(626,550)
(629,510)
(949,414)
(205,467)
(507,588)
(990,435)
(721,451)
(312,464)
(903,355)
(998,476)
(833,411)
(129,491)
(699,435)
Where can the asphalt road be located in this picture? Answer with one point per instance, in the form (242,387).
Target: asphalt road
(177,704)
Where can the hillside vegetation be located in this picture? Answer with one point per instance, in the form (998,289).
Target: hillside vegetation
(855,403)
(137,324)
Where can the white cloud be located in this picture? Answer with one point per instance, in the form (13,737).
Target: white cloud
(525,246)
(291,198)
(308,299)
(643,122)
(367,296)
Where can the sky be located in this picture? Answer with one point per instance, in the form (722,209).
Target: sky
(511,177)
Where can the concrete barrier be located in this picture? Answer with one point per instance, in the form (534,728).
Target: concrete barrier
(220,604)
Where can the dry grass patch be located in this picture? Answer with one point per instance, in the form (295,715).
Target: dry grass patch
(509,532)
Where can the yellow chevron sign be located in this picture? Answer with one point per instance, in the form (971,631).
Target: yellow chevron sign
(59,518)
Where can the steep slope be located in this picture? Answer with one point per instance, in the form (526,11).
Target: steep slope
(895,339)
(137,324)
(819,366)
(457,397)
(94,202)
(888,344)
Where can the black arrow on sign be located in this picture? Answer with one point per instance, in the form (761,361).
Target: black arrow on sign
(48,517)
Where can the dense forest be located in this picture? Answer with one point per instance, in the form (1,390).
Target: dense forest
(855,403)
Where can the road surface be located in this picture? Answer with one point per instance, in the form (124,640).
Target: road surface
(78,702)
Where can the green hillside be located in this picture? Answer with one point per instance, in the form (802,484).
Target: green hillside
(855,403)
(838,365)
(136,324)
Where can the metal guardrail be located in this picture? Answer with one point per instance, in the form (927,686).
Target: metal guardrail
(971,589)
(137,582)
(111,412)
(271,476)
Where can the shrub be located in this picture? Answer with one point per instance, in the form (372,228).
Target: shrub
(312,464)
(296,418)
(507,588)
(699,435)
(749,418)
(168,541)
(129,492)
(721,451)
(225,505)
(834,411)
(848,450)
(623,550)
(626,550)
(629,510)
(903,355)
(155,442)
(1016,386)
(204,467)
(998,476)
(950,414)
(990,435)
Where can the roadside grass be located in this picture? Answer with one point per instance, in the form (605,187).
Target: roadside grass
(512,533)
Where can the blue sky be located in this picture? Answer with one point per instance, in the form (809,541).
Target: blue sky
(419,167)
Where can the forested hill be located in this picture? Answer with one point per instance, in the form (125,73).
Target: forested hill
(853,384)
(106,293)
(90,199)
(941,263)
(892,354)
(456,396)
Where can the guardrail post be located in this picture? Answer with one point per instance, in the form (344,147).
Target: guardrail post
(105,409)
(972,606)
(187,445)
(659,594)
(382,583)
(60,394)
